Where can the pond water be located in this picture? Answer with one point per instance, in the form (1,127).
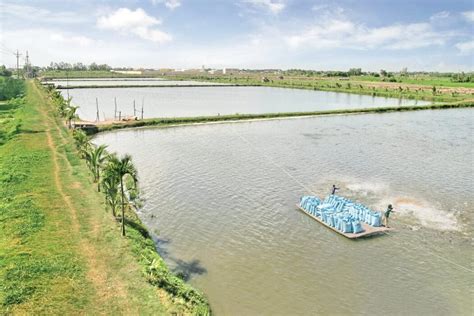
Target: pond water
(199,101)
(221,199)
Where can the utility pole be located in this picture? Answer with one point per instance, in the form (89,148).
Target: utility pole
(17,54)
(143,103)
(27,65)
(134,109)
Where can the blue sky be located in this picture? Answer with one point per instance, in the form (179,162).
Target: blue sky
(418,34)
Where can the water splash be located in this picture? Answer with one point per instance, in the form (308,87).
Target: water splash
(417,211)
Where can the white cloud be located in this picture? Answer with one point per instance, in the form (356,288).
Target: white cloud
(440,15)
(274,6)
(341,32)
(136,22)
(29,13)
(319,7)
(69,39)
(170,4)
(465,48)
(469,15)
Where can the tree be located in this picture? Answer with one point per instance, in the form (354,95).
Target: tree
(4,71)
(70,114)
(355,72)
(82,142)
(110,183)
(123,168)
(97,157)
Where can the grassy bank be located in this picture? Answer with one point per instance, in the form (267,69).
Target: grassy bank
(60,249)
(146,86)
(417,87)
(241,117)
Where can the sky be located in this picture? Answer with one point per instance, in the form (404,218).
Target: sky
(422,35)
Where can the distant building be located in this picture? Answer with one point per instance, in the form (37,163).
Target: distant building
(128,72)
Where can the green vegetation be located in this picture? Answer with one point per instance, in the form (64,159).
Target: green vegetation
(119,181)
(239,117)
(11,88)
(63,74)
(356,85)
(60,251)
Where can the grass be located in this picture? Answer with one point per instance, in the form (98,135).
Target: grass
(63,74)
(419,87)
(60,250)
(240,117)
(356,85)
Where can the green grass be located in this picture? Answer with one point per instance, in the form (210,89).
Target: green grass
(356,85)
(420,80)
(63,74)
(68,258)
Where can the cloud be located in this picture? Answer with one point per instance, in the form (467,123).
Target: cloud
(440,15)
(136,22)
(468,15)
(340,32)
(170,4)
(69,39)
(466,48)
(28,12)
(274,6)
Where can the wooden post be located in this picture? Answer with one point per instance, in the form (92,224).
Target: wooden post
(143,103)
(134,109)
(97,118)
(120,115)
(115,112)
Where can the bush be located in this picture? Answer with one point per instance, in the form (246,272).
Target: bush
(11,88)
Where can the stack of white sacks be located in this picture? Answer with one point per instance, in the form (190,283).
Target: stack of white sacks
(341,213)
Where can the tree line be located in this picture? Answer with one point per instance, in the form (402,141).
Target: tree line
(77,66)
(116,177)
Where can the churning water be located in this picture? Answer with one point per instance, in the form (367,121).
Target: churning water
(221,199)
(199,101)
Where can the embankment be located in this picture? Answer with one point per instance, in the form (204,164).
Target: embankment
(248,117)
(60,249)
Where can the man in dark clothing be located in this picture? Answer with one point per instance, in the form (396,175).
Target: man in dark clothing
(334,189)
(387,215)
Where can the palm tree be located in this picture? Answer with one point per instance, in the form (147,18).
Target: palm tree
(70,114)
(123,168)
(110,183)
(82,142)
(97,156)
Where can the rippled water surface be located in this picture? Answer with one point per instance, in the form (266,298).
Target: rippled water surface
(222,200)
(198,101)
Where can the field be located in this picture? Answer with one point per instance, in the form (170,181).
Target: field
(60,249)
(431,89)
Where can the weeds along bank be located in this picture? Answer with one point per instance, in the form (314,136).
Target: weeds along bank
(427,90)
(117,179)
(163,122)
(61,249)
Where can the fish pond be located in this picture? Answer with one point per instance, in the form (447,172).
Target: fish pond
(220,202)
(202,101)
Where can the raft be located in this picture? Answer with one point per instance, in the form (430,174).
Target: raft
(350,219)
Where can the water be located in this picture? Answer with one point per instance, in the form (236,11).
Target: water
(193,101)
(222,200)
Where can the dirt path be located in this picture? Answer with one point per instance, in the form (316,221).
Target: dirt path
(99,274)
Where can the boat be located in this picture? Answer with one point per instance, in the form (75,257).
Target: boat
(348,218)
